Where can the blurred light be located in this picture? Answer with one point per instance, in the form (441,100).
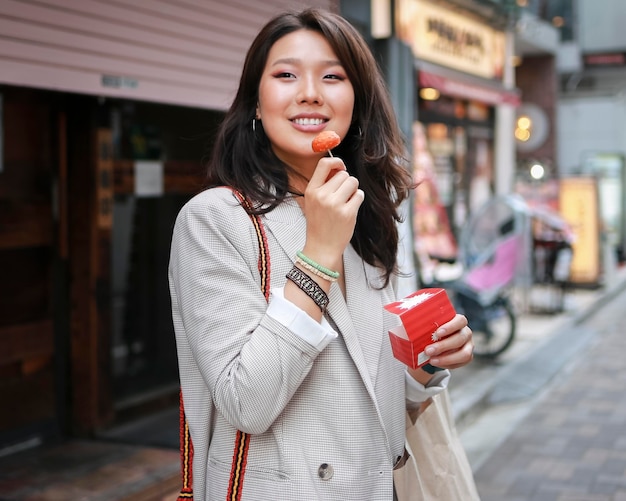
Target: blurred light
(437,131)
(532,127)
(516,60)
(524,122)
(523,129)
(522,3)
(522,134)
(429,94)
(558,22)
(537,171)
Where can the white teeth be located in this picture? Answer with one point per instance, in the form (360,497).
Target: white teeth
(308,121)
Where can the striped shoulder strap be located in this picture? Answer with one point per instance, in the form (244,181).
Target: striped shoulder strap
(242,440)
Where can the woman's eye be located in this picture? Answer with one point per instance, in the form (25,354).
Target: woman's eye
(334,77)
(284,74)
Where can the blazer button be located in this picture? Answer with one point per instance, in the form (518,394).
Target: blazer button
(325,471)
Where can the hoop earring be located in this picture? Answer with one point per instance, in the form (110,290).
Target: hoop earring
(254,125)
(360,132)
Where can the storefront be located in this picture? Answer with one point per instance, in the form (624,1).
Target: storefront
(460,63)
(106,113)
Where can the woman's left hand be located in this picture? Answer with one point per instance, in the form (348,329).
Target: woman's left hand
(455,347)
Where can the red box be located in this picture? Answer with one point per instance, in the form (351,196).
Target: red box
(421,314)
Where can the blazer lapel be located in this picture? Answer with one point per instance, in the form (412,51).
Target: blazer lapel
(288,225)
(365,308)
(359,326)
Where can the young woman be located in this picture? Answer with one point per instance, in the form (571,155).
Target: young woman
(308,376)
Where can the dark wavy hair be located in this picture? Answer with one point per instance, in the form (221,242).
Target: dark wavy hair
(374,150)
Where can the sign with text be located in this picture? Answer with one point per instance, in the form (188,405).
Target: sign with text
(148,178)
(450,39)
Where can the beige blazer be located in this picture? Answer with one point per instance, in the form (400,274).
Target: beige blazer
(325,425)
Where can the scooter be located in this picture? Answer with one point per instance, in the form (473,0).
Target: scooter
(493,320)
(491,252)
(482,294)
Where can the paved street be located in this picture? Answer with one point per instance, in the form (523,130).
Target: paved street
(489,397)
(553,427)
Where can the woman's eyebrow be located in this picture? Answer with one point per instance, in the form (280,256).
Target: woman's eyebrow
(295,60)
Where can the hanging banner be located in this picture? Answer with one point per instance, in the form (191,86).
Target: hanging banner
(432,233)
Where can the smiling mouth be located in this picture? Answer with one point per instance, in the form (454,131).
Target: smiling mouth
(309,121)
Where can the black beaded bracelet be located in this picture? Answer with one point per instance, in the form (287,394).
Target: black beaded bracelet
(309,286)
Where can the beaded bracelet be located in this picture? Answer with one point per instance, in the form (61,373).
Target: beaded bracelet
(317,266)
(309,286)
(314,270)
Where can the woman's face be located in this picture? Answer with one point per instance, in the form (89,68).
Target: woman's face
(304,89)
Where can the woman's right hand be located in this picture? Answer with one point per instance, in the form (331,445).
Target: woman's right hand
(331,204)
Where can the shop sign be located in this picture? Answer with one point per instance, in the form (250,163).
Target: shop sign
(578,202)
(610,172)
(449,39)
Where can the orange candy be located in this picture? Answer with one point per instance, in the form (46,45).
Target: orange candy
(325,140)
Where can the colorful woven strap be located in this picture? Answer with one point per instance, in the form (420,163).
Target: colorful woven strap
(186,455)
(238,468)
(264,250)
(242,440)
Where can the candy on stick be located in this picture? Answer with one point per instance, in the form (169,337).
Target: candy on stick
(326,141)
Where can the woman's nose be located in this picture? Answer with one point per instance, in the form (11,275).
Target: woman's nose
(309,91)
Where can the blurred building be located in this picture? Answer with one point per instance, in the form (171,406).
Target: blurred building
(591,114)
(107,110)
(537,42)
(450,72)
(464,98)
(572,123)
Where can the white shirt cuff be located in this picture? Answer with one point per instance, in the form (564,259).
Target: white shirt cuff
(297,321)
(416,392)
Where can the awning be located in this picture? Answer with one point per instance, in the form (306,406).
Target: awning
(457,84)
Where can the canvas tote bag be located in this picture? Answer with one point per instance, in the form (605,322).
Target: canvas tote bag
(438,469)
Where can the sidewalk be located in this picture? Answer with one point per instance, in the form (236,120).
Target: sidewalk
(86,470)
(115,469)
(553,424)
(484,383)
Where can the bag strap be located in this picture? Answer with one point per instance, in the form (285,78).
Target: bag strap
(186,455)
(242,440)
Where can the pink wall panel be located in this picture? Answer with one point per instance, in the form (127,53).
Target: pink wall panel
(103,28)
(70,80)
(187,52)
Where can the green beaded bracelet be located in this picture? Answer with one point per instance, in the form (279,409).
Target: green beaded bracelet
(324,270)
(314,270)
